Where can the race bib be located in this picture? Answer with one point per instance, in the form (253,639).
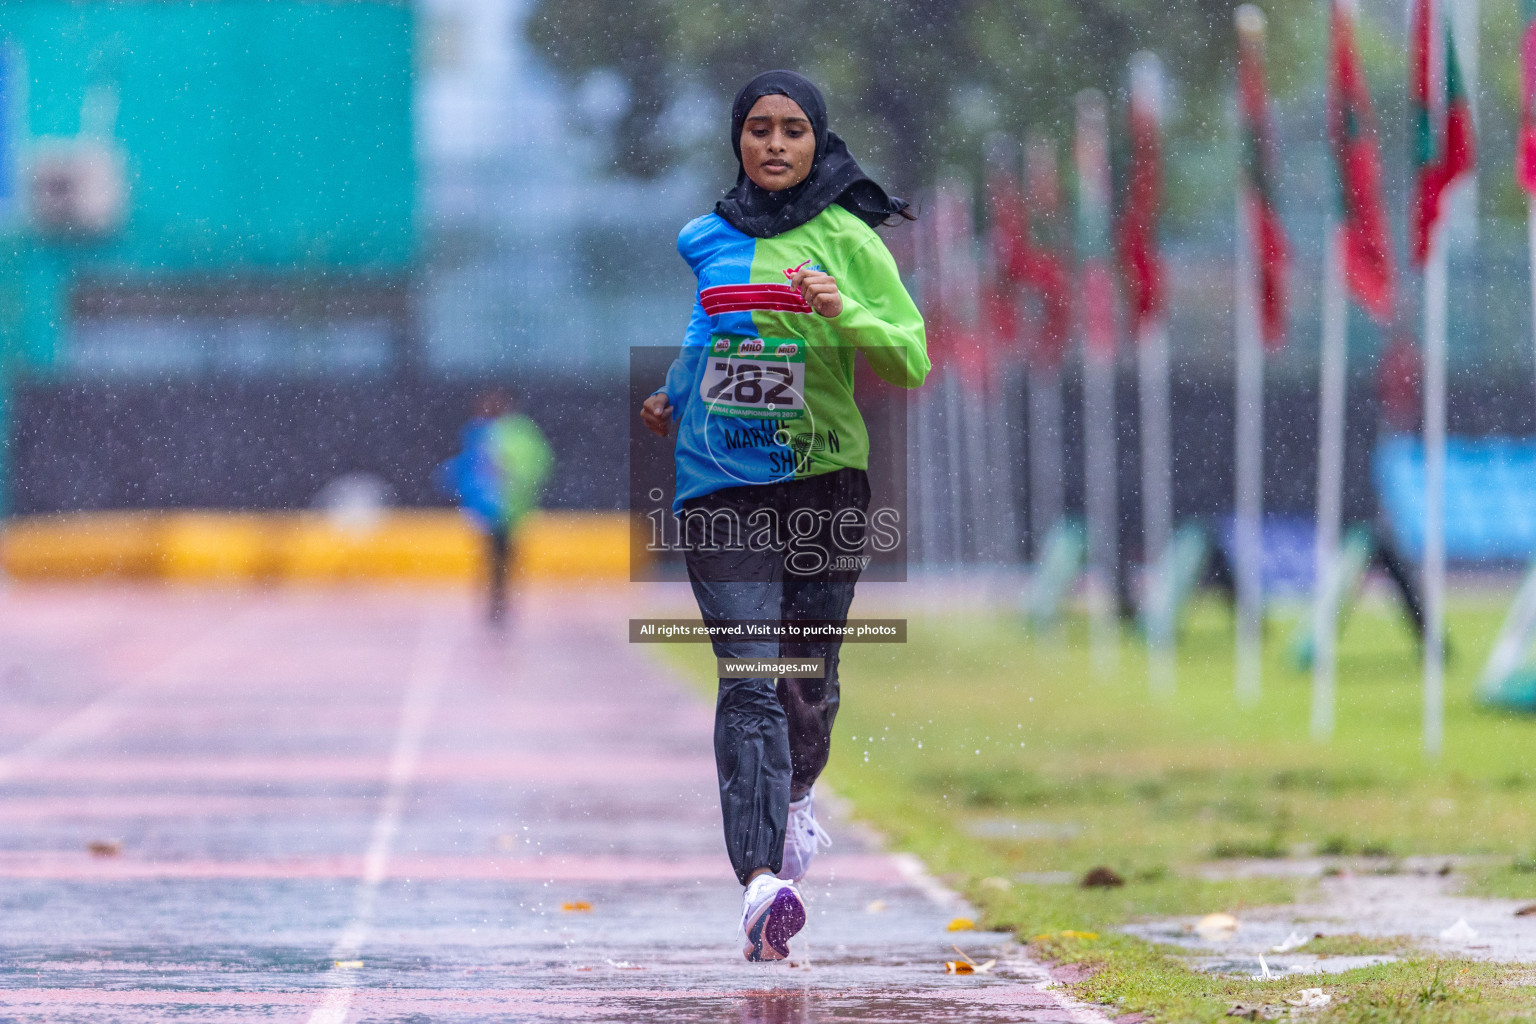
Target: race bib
(755,378)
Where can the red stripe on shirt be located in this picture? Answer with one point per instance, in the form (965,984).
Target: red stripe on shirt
(738,298)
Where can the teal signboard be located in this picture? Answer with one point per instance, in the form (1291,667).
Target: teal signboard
(250,135)
(149,145)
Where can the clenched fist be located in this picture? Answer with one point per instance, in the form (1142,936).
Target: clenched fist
(656,413)
(820,291)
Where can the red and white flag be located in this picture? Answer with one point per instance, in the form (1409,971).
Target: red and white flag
(1367,249)
(952,285)
(1440,120)
(1141,262)
(1047,272)
(1271,253)
(1096,285)
(1008,257)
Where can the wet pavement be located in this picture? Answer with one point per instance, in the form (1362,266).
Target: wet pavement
(1415,899)
(360,806)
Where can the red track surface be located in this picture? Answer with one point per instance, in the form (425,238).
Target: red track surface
(355,806)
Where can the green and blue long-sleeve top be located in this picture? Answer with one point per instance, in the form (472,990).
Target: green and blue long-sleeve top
(762,391)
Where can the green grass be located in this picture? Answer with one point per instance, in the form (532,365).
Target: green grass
(992,754)
(1358,945)
(1133,976)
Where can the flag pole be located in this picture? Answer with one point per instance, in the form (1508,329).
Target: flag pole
(921,499)
(1152,372)
(1530,237)
(1003,340)
(1101,498)
(1100,471)
(950,207)
(950,388)
(1152,366)
(920,547)
(1046,478)
(1156,487)
(1356,260)
(1156,440)
(1247,534)
(1435,300)
(1005,431)
(977,492)
(1444,156)
(1330,482)
(1525,143)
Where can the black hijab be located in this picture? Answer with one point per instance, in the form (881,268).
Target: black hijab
(835,176)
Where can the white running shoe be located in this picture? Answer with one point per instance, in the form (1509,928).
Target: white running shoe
(801,839)
(772,915)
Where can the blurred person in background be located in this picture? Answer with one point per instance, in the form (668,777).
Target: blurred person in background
(793,283)
(496,478)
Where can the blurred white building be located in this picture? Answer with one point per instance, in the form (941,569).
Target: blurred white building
(536,259)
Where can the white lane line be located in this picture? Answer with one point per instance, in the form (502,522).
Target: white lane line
(915,873)
(97,717)
(429,669)
(1030,972)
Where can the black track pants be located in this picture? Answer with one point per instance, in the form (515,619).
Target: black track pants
(772,736)
(499,547)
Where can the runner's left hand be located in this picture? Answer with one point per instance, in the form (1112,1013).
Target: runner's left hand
(820,291)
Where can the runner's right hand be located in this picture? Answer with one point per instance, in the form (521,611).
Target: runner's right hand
(656,412)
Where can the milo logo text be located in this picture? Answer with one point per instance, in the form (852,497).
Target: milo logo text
(787,348)
(751,347)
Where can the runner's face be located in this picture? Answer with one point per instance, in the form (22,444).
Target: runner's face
(777,144)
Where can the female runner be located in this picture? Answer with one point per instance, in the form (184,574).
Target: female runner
(772,457)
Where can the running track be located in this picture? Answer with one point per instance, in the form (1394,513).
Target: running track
(360,806)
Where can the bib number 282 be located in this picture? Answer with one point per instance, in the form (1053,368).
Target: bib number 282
(759,388)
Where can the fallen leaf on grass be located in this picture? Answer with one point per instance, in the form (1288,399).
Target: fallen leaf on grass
(1311,999)
(966,965)
(1066,934)
(961,924)
(1102,878)
(575,906)
(348,965)
(105,847)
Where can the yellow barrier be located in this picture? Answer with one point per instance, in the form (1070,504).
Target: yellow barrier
(406,545)
(80,546)
(575,546)
(199,547)
(422,546)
